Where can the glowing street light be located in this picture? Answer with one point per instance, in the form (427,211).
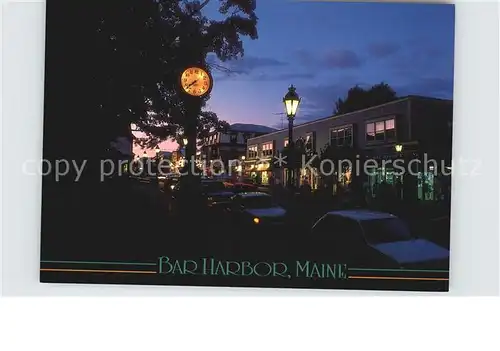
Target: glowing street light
(398,147)
(291,101)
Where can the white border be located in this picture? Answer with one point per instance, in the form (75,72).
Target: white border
(474,246)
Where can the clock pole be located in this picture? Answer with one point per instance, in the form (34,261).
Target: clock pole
(195,83)
(193,109)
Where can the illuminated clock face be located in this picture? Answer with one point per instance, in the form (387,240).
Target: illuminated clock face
(196,81)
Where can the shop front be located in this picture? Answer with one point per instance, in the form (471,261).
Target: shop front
(309,176)
(260,172)
(404,173)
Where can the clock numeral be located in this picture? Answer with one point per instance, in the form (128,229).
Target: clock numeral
(196,71)
(191,71)
(205,78)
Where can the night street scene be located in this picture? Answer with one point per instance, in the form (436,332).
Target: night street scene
(238,143)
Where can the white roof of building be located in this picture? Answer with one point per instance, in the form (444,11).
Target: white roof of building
(257,128)
(253,194)
(362,215)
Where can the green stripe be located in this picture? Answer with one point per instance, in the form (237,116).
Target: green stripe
(96,262)
(396,270)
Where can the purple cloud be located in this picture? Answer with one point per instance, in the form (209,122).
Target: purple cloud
(342,59)
(245,65)
(305,57)
(382,50)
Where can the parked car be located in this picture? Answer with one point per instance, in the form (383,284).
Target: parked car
(217,194)
(168,184)
(244,188)
(255,210)
(373,239)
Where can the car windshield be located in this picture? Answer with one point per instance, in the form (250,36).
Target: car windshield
(211,187)
(387,230)
(258,202)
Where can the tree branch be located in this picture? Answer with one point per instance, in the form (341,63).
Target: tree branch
(197,9)
(203,4)
(221,68)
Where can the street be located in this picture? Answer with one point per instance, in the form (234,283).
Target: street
(132,223)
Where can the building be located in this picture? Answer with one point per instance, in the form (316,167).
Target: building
(232,144)
(409,128)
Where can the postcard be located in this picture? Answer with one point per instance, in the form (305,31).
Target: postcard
(263,144)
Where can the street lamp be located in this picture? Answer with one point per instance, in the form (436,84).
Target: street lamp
(242,169)
(184,141)
(157,161)
(291,101)
(398,147)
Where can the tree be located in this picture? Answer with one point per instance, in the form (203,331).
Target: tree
(296,155)
(110,64)
(197,36)
(338,159)
(358,98)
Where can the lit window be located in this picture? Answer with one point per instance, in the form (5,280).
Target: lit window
(252,152)
(370,131)
(309,142)
(341,136)
(267,149)
(381,130)
(390,130)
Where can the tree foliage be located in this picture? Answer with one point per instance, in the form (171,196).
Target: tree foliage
(110,64)
(358,98)
(296,153)
(341,158)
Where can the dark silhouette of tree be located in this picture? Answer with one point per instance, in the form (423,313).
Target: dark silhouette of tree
(296,155)
(358,98)
(110,64)
(332,157)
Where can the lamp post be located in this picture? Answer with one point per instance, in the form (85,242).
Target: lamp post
(145,164)
(157,160)
(291,101)
(399,180)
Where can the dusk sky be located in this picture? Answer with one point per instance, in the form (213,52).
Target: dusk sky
(324,48)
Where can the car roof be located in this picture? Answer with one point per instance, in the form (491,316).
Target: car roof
(250,194)
(361,215)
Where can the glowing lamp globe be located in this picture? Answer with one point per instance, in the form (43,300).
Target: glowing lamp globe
(291,101)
